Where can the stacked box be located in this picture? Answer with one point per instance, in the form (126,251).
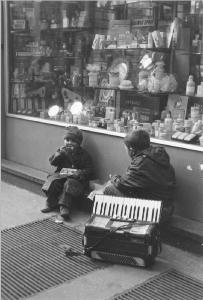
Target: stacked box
(118,27)
(148,107)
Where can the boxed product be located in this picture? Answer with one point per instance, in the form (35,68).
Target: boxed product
(147,107)
(118,27)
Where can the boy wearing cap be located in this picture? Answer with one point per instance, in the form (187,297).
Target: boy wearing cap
(74,169)
(149,176)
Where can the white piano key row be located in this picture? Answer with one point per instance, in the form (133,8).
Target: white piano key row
(131,208)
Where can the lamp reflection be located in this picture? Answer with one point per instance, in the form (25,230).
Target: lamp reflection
(54,111)
(76,108)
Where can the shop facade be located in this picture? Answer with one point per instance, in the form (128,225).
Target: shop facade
(107,67)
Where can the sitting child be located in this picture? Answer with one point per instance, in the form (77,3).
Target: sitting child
(150,174)
(74,169)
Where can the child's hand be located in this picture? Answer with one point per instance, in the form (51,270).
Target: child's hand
(62,149)
(65,149)
(72,172)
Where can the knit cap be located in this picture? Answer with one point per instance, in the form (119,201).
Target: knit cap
(73,133)
(138,139)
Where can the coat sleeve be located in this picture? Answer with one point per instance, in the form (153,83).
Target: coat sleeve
(86,170)
(133,179)
(57,158)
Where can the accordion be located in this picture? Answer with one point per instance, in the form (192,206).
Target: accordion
(123,230)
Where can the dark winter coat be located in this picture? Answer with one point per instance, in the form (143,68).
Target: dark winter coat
(77,158)
(149,176)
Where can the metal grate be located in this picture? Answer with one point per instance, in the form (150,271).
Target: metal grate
(171,285)
(33,258)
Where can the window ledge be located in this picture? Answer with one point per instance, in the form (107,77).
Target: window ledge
(111,133)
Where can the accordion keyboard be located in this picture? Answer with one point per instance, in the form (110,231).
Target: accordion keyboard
(128,208)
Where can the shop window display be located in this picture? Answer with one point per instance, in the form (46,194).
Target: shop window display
(115,65)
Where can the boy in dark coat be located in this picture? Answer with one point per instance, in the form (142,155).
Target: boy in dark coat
(74,169)
(149,176)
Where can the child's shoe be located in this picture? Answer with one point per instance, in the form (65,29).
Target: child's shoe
(48,208)
(64,212)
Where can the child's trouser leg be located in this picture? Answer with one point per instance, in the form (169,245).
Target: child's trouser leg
(54,192)
(72,189)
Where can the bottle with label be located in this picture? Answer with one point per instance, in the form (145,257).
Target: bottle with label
(155,126)
(200,90)
(110,110)
(168,121)
(188,125)
(190,87)
(150,41)
(164,113)
(178,125)
(65,19)
(162,132)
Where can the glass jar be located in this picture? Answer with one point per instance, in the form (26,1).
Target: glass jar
(162,132)
(93,79)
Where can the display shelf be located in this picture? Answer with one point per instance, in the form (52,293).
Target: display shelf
(49,57)
(165,50)
(188,52)
(145,93)
(30,81)
(22,33)
(68,29)
(132,90)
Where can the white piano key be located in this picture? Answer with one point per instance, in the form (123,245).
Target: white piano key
(104,206)
(137,215)
(112,205)
(150,205)
(129,207)
(149,218)
(119,209)
(140,211)
(101,209)
(134,212)
(144,209)
(104,211)
(155,211)
(94,210)
(159,210)
(113,210)
(157,207)
(122,210)
(109,208)
(98,200)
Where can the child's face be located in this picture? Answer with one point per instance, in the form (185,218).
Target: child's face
(69,142)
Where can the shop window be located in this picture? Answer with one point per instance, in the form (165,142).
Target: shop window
(124,61)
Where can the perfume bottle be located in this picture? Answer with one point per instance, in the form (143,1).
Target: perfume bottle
(65,19)
(190,87)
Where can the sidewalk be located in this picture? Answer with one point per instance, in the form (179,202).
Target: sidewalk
(19,206)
